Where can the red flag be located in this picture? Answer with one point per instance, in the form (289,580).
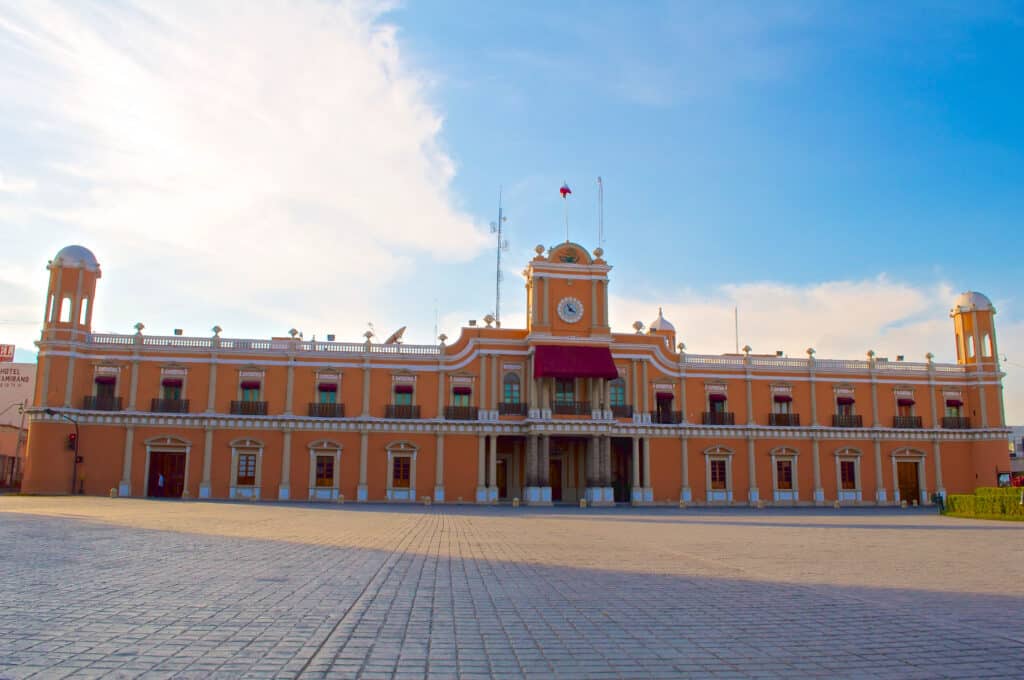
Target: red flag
(565,190)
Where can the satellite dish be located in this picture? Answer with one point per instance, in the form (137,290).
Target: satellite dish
(396,337)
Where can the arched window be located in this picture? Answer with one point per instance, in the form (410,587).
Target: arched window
(986,345)
(65,310)
(958,356)
(617,392)
(970,346)
(50,310)
(511,388)
(85,312)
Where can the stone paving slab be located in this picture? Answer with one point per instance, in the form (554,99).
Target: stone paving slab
(156,589)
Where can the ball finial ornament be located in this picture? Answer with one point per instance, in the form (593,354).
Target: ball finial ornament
(138,327)
(539,249)
(598,251)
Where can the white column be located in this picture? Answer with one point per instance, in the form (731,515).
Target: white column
(819,493)
(366,387)
(545,309)
(125,487)
(637,494)
(362,492)
(752,495)
(685,493)
(439,470)
(289,386)
(482,399)
(940,488)
(211,391)
(880,495)
(481,469)
(646,387)
(874,396)
(204,487)
(133,387)
(73,337)
(492,486)
(814,398)
(751,419)
(284,490)
(648,490)
(495,365)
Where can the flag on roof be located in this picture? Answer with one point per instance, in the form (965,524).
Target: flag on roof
(565,190)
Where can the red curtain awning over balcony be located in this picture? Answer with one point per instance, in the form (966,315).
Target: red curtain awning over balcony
(954,402)
(716,397)
(250,384)
(664,396)
(327,387)
(171,382)
(403,389)
(571,361)
(462,390)
(105,380)
(843,401)
(782,398)
(904,402)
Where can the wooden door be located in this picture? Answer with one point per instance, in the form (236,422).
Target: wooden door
(555,479)
(171,466)
(501,471)
(906,473)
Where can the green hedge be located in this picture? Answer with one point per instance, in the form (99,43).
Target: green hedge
(987,502)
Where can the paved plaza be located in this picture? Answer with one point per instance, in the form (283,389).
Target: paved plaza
(95,587)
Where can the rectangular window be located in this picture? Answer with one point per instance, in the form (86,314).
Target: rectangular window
(717,406)
(718,474)
(172,392)
(511,392)
(784,474)
(905,410)
(325,471)
(460,399)
(952,411)
(251,390)
(65,310)
(844,408)
(85,312)
(848,474)
(106,387)
(246,469)
(327,397)
(565,390)
(783,407)
(403,398)
(617,393)
(400,472)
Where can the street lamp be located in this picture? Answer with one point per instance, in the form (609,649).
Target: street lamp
(74,463)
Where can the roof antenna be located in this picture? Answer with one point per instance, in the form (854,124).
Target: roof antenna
(496,228)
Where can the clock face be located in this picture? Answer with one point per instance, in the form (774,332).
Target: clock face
(570,310)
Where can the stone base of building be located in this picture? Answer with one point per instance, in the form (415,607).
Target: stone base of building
(753,496)
(686,495)
(819,497)
(284,493)
(401,494)
(124,490)
(537,495)
(600,495)
(641,495)
(361,494)
(439,494)
(880,496)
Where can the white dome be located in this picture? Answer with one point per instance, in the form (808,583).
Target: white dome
(972,300)
(661,324)
(78,257)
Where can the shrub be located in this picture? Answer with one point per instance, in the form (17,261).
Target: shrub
(999,503)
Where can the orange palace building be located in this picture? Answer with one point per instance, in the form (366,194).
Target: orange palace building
(561,410)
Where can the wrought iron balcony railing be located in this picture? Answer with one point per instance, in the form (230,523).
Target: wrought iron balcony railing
(571,408)
(622,411)
(96,403)
(407,411)
(667,417)
(169,406)
(907,422)
(956,423)
(513,408)
(839,420)
(326,410)
(249,408)
(718,418)
(460,412)
(784,419)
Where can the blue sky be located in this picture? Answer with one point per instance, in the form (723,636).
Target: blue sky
(839,171)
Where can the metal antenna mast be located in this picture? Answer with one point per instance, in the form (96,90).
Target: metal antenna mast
(496,228)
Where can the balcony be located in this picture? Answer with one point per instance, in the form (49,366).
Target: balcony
(784,419)
(97,403)
(404,411)
(839,420)
(907,422)
(326,410)
(667,417)
(718,418)
(460,413)
(571,408)
(249,408)
(169,406)
(956,423)
(512,408)
(622,411)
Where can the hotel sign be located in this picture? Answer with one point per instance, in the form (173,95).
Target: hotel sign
(6,353)
(17,385)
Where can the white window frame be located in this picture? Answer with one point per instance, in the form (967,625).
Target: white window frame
(854,495)
(718,453)
(246,446)
(785,495)
(396,449)
(324,447)
(908,455)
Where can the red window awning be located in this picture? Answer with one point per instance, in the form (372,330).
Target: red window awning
(664,396)
(844,401)
(954,402)
(462,390)
(327,387)
(250,384)
(716,397)
(782,398)
(171,382)
(403,389)
(903,401)
(105,380)
(573,361)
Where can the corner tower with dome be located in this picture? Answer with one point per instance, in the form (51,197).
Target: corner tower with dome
(565,410)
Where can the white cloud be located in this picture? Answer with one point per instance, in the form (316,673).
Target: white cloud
(15,185)
(839,319)
(280,157)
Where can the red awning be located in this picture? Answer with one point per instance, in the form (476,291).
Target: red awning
(716,397)
(462,390)
(664,396)
(250,384)
(327,387)
(403,389)
(105,380)
(843,401)
(572,361)
(954,402)
(171,382)
(782,398)
(904,402)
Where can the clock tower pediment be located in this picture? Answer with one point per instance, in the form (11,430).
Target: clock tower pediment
(567,291)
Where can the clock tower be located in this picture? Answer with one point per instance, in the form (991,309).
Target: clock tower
(567,293)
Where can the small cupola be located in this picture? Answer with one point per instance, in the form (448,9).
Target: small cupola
(664,328)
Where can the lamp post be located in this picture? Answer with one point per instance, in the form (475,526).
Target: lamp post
(74,461)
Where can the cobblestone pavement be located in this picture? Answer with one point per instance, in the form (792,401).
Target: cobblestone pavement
(96,587)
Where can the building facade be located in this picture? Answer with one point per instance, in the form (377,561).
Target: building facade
(17,387)
(561,410)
